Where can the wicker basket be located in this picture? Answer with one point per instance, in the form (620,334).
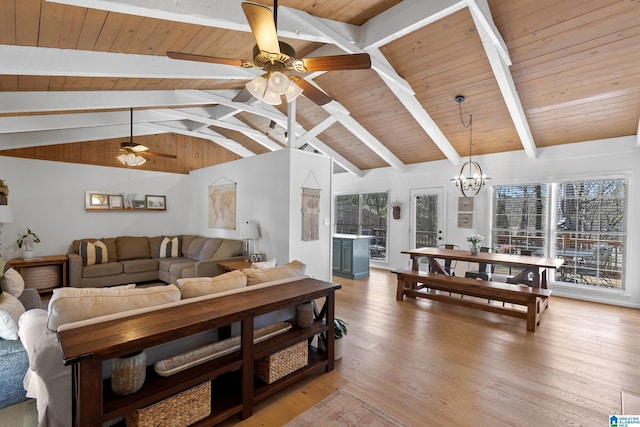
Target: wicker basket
(281,363)
(183,409)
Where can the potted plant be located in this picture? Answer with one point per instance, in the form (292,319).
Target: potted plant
(339,331)
(474,239)
(28,238)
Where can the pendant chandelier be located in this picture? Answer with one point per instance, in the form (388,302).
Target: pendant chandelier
(471,178)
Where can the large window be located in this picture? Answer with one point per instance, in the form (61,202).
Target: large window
(583,222)
(365,214)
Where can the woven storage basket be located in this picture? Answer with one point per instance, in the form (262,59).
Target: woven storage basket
(183,409)
(281,363)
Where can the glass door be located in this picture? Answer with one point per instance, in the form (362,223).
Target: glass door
(427,217)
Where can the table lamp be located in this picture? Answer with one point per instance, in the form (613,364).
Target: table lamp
(6,216)
(248,232)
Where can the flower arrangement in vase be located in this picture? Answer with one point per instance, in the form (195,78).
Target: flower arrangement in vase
(474,239)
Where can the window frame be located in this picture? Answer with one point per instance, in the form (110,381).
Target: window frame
(552,230)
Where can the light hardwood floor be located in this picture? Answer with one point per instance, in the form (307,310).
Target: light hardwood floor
(431,364)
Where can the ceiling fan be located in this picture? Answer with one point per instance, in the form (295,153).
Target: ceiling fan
(279,61)
(132,154)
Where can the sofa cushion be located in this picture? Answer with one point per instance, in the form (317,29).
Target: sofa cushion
(93,253)
(165,263)
(139,265)
(176,268)
(132,247)
(198,286)
(10,311)
(99,270)
(12,283)
(186,242)
(293,269)
(209,249)
(193,251)
(229,248)
(74,304)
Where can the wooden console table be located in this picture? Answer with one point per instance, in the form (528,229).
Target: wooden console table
(37,272)
(235,390)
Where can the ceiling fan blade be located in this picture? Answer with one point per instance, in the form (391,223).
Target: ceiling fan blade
(202,58)
(243,96)
(313,93)
(262,25)
(168,156)
(357,61)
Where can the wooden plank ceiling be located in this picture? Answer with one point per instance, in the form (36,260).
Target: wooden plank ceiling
(534,74)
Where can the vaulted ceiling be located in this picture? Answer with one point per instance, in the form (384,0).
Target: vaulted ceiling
(534,73)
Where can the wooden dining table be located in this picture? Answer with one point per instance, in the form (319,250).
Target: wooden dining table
(532,266)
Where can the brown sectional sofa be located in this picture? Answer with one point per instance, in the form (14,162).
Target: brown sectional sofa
(135,259)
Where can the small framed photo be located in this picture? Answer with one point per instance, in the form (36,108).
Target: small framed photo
(155,202)
(465,220)
(465,204)
(96,200)
(138,204)
(115,201)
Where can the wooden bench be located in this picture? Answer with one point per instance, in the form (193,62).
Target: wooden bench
(425,285)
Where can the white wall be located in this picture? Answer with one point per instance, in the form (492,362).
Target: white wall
(268,189)
(48,197)
(618,156)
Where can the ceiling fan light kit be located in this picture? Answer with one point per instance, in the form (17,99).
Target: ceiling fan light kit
(277,58)
(131,159)
(471,184)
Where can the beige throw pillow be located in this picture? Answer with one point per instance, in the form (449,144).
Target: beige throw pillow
(74,304)
(264,264)
(13,283)
(199,286)
(293,269)
(10,311)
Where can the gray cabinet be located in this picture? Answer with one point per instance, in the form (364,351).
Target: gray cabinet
(351,256)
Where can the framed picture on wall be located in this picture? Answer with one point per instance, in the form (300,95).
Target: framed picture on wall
(465,204)
(465,220)
(96,200)
(155,202)
(115,201)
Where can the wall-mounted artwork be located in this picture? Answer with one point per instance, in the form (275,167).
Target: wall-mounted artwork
(465,204)
(222,204)
(465,220)
(310,209)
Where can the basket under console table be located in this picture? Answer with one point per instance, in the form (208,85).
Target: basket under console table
(235,389)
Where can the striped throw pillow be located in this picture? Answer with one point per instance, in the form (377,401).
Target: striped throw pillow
(93,253)
(169,248)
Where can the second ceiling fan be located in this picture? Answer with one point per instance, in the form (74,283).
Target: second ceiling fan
(279,61)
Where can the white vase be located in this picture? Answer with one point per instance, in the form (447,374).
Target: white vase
(338,347)
(474,249)
(28,254)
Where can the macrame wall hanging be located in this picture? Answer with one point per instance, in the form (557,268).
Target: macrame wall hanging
(310,209)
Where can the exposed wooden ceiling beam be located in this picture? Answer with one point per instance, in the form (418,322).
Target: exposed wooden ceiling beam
(225,14)
(504,79)
(205,134)
(25,102)
(43,61)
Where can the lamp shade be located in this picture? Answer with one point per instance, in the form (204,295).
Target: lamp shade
(6,216)
(249,230)
(292,91)
(257,87)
